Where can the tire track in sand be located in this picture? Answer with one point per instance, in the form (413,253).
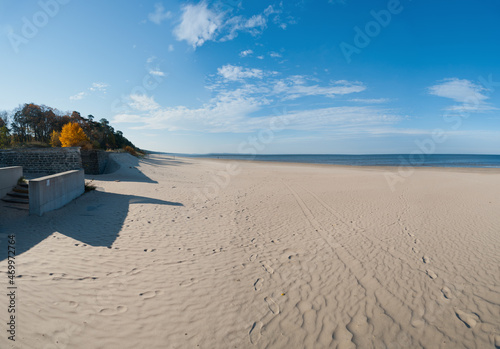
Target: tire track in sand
(377,296)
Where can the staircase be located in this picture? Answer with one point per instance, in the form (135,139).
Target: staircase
(18,196)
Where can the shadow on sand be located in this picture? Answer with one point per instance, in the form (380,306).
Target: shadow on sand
(123,168)
(95,219)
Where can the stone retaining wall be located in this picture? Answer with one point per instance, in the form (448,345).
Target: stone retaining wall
(94,161)
(42,160)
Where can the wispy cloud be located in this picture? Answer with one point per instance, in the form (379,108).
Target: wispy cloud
(276,12)
(142,102)
(246,53)
(200,23)
(78,96)
(159,15)
(96,87)
(280,88)
(156,72)
(235,73)
(472,97)
(275,54)
(232,113)
(370,100)
(299,86)
(241,96)
(153,67)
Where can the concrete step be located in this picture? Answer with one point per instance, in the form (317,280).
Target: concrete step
(15,200)
(19,189)
(22,207)
(23,185)
(18,195)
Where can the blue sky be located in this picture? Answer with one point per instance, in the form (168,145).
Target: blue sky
(335,77)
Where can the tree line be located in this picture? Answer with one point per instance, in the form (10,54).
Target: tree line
(40,125)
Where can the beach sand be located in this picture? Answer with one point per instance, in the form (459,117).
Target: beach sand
(200,253)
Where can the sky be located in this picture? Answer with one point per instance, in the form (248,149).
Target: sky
(266,77)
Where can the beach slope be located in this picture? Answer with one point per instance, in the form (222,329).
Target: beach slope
(187,253)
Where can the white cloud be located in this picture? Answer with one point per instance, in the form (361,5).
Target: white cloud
(240,94)
(461,91)
(153,68)
(270,10)
(246,53)
(98,86)
(159,15)
(94,88)
(230,112)
(370,100)
(471,96)
(198,24)
(275,54)
(260,57)
(143,103)
(78,96)
(170,48)
(255,21)
(297,86)
(235,73)
(277,18)
(127,118)
(157,72)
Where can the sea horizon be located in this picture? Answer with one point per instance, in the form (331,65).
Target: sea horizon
(405,160)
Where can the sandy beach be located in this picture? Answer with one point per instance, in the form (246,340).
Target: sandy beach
(200,253)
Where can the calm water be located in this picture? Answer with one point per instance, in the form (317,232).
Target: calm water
(434,160)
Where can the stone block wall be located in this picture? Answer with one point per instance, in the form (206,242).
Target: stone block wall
(94,161)
(42,160)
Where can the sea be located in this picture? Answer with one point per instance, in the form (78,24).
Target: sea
(408,160)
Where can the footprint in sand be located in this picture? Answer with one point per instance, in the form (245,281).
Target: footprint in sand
(414,250)
(358,325)
(342,337)
(446,292)
(426,259)
(431,274)
(267,268)
(470,320)
(255,332)
(273,306)
(497,341)
(252,257)
(113,311)
(149,294)
(188,282)
(258,284)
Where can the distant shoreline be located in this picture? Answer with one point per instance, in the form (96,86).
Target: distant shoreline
(466,161)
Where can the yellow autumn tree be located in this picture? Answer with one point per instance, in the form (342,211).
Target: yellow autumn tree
(54,139)
(72,135)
